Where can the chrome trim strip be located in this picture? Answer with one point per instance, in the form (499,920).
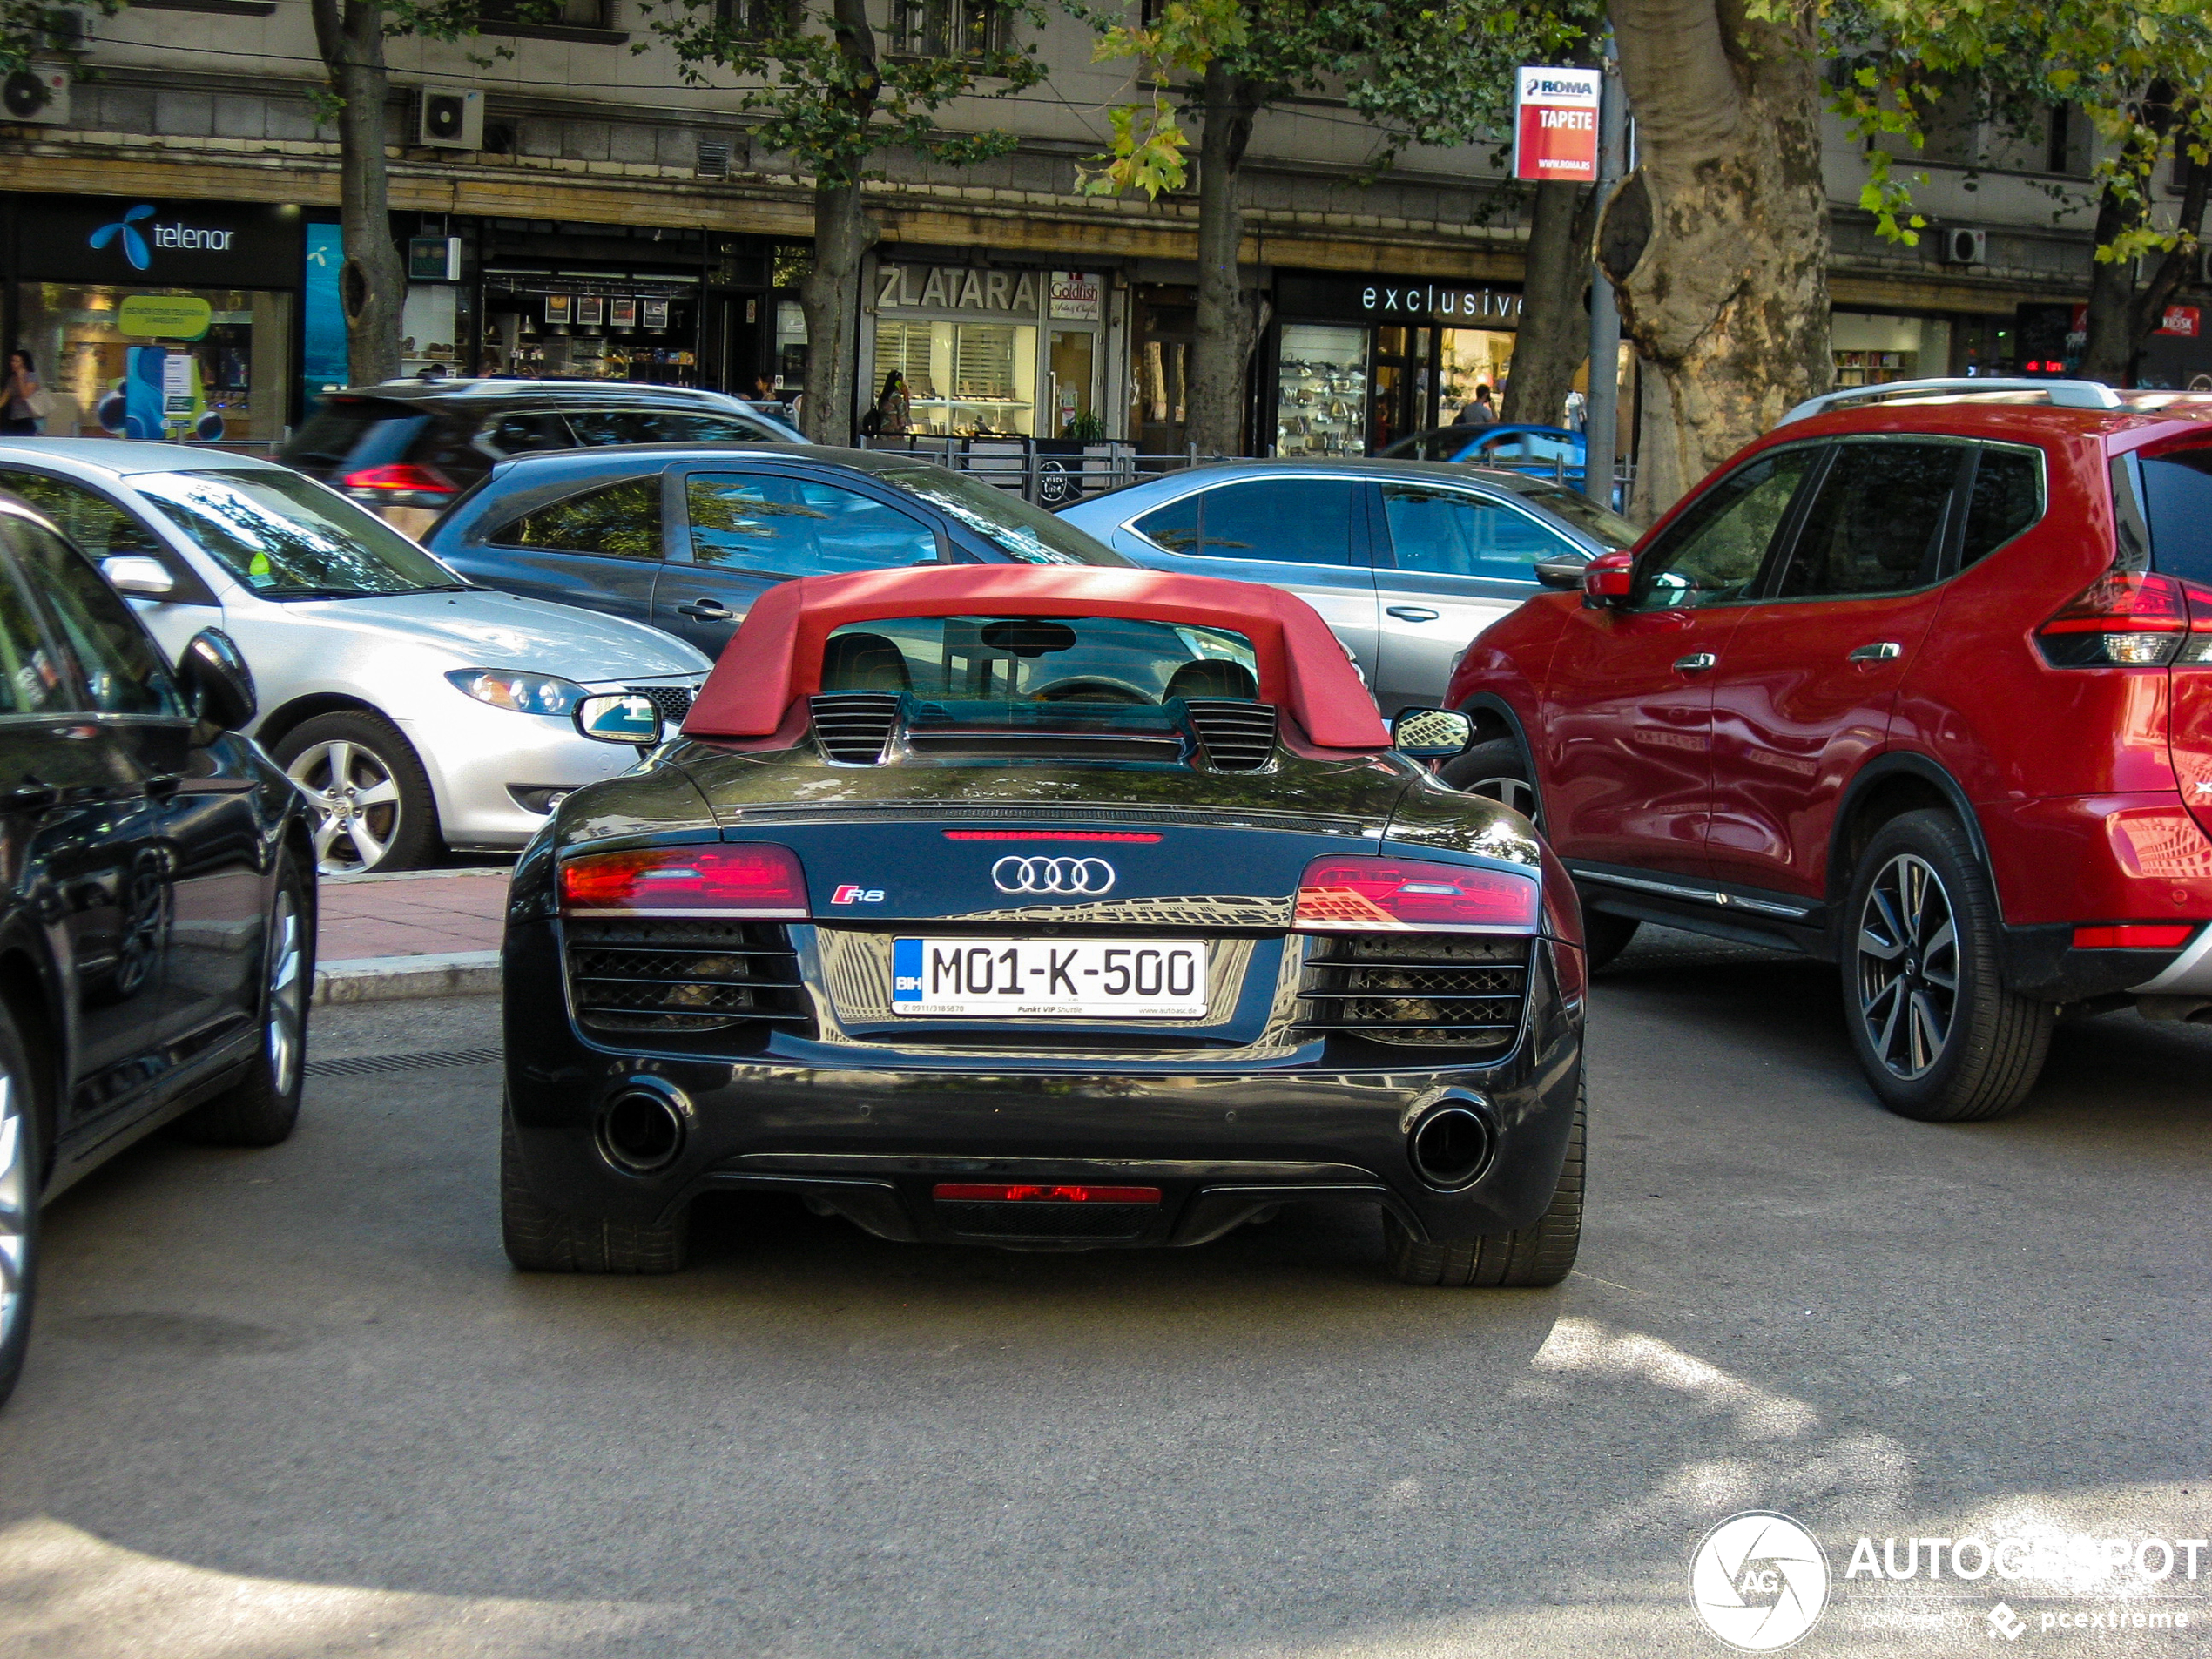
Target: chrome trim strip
(1712,896)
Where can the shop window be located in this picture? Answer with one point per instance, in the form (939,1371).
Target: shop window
(1442,532)
(1072,371)
(1467,361)
(965,379)
(222,373)
(950,27)
(1321,407)
(795,527)
(619,522)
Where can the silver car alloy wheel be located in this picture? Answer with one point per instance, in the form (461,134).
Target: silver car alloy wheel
(287,995)
(1516,792)
(1908,967)
(15,1202)
(356,802)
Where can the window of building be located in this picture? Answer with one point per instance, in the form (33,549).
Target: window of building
(950,27)
(566,14)
(973,379)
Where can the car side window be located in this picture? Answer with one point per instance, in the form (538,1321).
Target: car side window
(1174,527)
(94,522)
(1878,523)
(2007,497)
(615,520)
(514,435)
(1447,532)
(1295,520)
(1712,554)
(781,525)
(664,426)
(118,668)
(31,671)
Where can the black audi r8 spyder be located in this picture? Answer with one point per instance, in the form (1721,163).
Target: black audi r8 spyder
(1041,908)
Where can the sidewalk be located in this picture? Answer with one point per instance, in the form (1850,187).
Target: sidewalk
(420,933)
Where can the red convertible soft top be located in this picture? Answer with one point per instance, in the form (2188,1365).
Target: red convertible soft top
(777,656)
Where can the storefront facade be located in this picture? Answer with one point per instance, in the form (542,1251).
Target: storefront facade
(149,319)
(996,350)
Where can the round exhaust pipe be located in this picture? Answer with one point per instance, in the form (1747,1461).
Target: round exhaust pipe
(1451,1146)
(641,1129)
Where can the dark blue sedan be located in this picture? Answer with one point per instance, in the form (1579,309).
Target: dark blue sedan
(687,536)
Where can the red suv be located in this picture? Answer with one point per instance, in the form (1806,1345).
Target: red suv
(1923,687)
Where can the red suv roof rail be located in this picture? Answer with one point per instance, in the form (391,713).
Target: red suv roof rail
(2063,394)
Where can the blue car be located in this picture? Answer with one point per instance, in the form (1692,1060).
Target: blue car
(1547,451)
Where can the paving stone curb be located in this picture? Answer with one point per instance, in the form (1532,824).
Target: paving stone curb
(390,979)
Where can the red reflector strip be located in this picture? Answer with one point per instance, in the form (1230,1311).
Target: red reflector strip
(2139,935)
(1047,835)
(997,1192)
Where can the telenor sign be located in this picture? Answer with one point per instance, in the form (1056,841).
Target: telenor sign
(1554,128)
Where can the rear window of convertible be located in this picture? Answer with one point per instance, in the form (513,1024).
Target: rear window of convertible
(1117,660)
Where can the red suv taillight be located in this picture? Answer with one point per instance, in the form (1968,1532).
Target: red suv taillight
(402,484)
(756,880)
(2130,619)
(1371,895)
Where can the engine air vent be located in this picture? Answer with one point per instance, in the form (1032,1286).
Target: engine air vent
(1238,736)
(1436,991)
(853,727)
(674,977)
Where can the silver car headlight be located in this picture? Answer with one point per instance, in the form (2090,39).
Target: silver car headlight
(517,693)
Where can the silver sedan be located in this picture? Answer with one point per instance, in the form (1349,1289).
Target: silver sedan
(1407,560)
(414,710)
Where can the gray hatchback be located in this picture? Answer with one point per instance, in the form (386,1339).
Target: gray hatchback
(1407,560)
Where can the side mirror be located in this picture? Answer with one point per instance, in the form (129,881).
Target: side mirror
(216,684)
(136,573)
(617,717)
(1607,579)
(1431,734)
(1562,570)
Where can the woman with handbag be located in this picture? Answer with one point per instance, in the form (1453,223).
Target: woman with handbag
(27,401)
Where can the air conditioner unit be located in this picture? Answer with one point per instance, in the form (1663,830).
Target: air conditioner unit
(1965,247)
(451,120)
(37,92)
(2204,268)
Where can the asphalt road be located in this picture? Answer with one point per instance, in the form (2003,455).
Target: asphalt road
(294,1403)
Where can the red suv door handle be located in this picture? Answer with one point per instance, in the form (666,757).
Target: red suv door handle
(1882,651)
(1696,662)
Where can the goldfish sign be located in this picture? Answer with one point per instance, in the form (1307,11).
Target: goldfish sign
(1554,128)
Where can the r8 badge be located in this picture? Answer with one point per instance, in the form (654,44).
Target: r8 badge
(850,894)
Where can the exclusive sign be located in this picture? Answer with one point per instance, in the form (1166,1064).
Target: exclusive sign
(1555,127)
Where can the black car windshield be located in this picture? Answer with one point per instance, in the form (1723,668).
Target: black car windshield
(1022,532)
(287,538)
(1572,505)
(1003,660)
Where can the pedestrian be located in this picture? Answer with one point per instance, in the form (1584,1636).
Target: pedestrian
(1482,412)
(28,402)
(893,410)
(1578,408)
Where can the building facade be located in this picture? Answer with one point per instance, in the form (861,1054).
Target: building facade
(576,208)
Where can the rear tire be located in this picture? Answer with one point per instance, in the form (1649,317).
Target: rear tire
(1540,1253)
(389,820)
(1498,770)
(262,1108)
(541,1239)
(1941,1038)
(21,1172)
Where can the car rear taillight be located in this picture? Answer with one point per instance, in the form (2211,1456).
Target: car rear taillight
(743,879)
(2134,936)
(1003,1192)
(2130,619)
(1370,895)
(401,484)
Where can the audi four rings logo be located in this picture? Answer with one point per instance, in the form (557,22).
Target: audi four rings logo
(1052,875)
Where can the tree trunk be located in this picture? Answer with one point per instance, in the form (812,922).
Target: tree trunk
(1717,243)
(1222,344)
(831,296)
(372,284)
(2109,354)
(1554,335)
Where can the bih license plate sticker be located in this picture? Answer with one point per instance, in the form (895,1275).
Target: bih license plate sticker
(1044,979)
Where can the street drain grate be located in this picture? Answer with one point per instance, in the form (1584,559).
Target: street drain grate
(376,1064)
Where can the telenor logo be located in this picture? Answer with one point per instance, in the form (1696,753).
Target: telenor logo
(1759,1581)
(134,241)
